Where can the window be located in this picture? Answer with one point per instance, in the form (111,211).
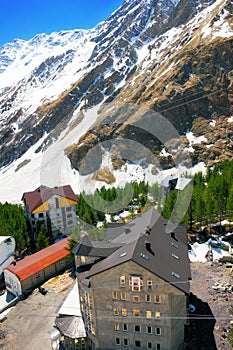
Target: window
(57,202)
(91,313)
(136,299)
(70,222)
(149,330)
(114,295)
(147,298)
(136,313)
(149,345)
(118,341)
(83,259)
(175,274)
(158,346)
(125,342)
(92,330)
(136,283)
(124,312)
(157,299)
(116,326)
(68,208)
(115,311)
(175,245)
(41,215)
(137,343)
(149,284)
(122,281)
(157,314)
(69,215)
(123,296)
(125,327)
(137,329)
(148,314)
(158,331)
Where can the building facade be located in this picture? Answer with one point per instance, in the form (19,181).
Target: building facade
(137,296)
(55,208)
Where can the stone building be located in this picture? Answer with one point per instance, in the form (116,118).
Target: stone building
(55,208)
(134,290)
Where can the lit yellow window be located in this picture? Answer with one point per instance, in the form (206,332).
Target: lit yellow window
(117,326)
(136,299)
(148,314)
(92,330)
(136,313)
(124,312)
(157,314)
(115,311)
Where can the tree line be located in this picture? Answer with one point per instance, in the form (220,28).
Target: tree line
(211,200)
(212,197)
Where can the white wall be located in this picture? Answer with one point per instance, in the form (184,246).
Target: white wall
(7,249)
(13,285)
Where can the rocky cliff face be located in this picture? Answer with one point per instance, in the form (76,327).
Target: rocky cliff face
(171,57)
(186,74)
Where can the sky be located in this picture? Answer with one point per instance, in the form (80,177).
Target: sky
(23,19)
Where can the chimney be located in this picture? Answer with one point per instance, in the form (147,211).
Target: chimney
(148,247)
(147,230)
(173,235)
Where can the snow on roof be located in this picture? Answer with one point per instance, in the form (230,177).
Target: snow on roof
(34,263)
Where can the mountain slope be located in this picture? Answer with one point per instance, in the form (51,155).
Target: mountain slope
(173,57)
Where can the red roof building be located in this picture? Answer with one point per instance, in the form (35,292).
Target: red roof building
(23,276)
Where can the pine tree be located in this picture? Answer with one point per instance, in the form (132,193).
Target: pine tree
(42,240)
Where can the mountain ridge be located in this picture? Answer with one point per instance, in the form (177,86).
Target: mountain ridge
(149,53)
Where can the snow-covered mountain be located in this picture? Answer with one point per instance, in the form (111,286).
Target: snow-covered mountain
(58,91)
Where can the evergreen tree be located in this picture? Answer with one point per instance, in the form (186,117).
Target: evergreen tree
(13,223)
(42,240)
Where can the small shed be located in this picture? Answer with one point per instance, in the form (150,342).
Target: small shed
(23,276)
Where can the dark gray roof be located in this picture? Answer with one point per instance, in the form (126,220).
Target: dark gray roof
(71,326)
(149,245)
(134,229)
(114,229)
(87,247)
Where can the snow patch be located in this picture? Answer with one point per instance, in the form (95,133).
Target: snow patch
(193,139)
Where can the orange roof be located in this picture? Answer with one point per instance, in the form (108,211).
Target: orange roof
(35,198)
(34,263)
